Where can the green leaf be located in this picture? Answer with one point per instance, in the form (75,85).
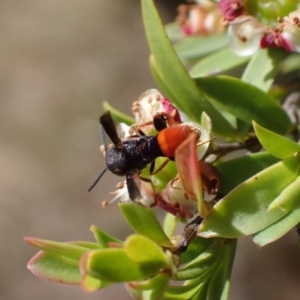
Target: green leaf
(150,283)
(233,172)
(277,229)
(202,292)
(51,268)
(143,250)
(244,210)
(117,115)
(70,252)
(291,63)
(160,79)
(260,72)
(188,98)
(104,238)
(195,47)
(245,101)
(277,145)
(87,245)
(174,31)
(288,199)
(115,265)
(170,223)
(206,122)
(92,284)
(203,265)
(159,285)
(220,282)
(182,292)
(144,222)
(263,67)
(195,248)
(218,62)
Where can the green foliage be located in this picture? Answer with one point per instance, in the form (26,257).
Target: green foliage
(141,219)
(185,94)
(244,210)
(259,193)
(245,102)
(218,62)
(275,144)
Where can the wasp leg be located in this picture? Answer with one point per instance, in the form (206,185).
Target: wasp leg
(153,188)
(152,172)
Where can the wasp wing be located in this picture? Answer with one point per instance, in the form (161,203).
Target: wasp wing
(109,126)
(133,190)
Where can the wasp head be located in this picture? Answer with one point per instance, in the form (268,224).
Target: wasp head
(116,161)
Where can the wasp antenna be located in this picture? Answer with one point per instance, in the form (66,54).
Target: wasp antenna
(97,179)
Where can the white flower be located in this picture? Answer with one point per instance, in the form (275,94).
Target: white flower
(291,29)
(244,35)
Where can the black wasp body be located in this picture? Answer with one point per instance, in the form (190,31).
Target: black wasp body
(132,156)
(129,157)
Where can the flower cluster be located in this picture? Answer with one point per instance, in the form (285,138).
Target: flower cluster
(203,18)
(174,191)
(247,30)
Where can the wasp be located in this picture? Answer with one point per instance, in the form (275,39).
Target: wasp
(130,156)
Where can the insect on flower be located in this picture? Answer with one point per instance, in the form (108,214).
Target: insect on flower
(130,156)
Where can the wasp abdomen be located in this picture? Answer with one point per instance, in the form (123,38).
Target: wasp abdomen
(170,138)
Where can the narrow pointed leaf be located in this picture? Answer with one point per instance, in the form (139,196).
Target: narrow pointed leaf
(245,101)
(202,292)
(218,62)
(87,245)
(160,79)
(206,123)
(51,268)
(277,145)
(104,238)
(220,282)
(195,47)
(263,67)
(150,283)
(170,224)
(143,221)
(161,283)
(174,31)
(288,199)
(187,95)
(71,251)
(233,172)
(117,115)
(195,248)
(244,210)
(260,72)
(291,63)
(203,264)
(277,229)
(181,292)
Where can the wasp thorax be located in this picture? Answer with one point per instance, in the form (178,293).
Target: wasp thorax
(128,157)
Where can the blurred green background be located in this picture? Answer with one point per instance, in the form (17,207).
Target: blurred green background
(58,61)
